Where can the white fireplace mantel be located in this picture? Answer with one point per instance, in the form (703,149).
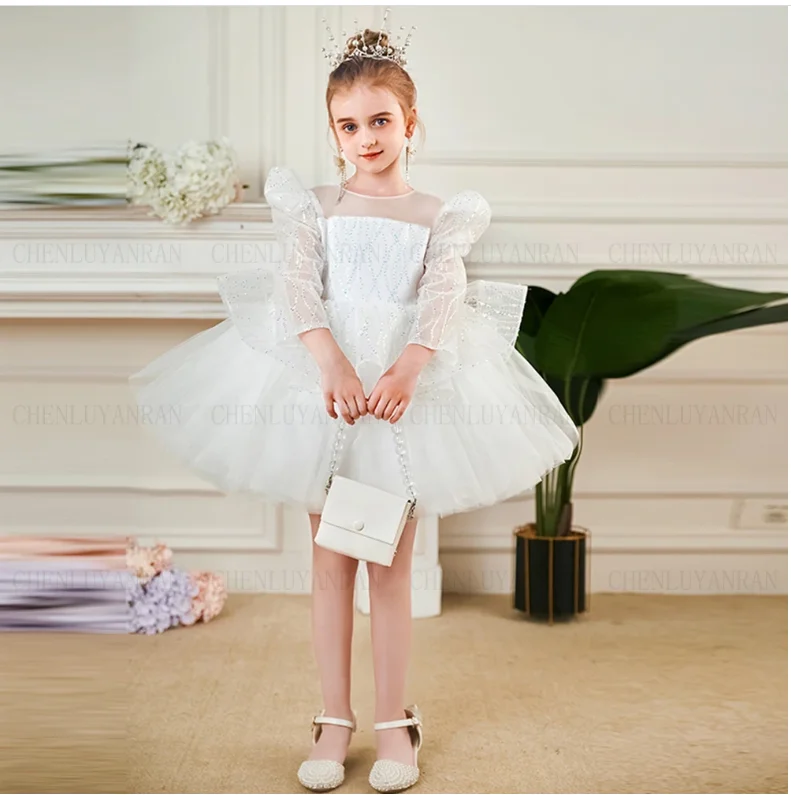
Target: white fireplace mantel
(122,263)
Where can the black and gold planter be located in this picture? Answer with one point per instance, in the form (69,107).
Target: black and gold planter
(552,574)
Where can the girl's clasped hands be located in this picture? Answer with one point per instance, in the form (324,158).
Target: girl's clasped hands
(388,400)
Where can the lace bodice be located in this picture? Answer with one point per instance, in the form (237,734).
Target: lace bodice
(406,250)
(372,258)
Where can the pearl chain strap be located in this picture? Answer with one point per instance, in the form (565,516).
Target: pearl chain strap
(400,449)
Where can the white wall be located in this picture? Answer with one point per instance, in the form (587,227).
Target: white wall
(603,137)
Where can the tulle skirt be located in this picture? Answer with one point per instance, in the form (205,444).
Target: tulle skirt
(482,425)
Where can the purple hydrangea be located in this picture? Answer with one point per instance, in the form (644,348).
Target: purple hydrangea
(162,602)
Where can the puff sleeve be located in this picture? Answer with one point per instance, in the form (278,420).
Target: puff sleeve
(271,305)
(295,217)
(464,323)
(443,285)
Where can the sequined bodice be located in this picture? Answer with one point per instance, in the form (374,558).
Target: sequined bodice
(373,259)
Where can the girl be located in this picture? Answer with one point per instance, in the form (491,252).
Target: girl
(369,321)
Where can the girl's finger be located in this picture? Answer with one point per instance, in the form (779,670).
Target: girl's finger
(377,407)
(346,413)
(351,403)
(398,413)
(328,404)
(389,409)
(362,405)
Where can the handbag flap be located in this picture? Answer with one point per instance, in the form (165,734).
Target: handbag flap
(350,502)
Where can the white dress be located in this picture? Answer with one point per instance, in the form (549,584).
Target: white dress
(241,403)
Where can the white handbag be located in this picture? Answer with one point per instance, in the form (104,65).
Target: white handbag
(362,521)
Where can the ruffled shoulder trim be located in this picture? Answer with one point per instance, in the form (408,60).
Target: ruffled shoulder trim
(461,221)
(285,193)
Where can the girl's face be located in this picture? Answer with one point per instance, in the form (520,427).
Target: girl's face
(369,121)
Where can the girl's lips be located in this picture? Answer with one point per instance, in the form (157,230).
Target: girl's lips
(372,155)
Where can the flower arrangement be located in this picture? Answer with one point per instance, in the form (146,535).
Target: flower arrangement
(162,596)
(198,179)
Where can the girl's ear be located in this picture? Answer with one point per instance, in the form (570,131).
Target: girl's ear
(412,121)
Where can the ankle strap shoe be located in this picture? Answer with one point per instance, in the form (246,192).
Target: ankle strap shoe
(387,775)
(321,775)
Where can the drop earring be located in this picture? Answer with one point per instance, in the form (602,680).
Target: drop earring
(410,152)
(340,165)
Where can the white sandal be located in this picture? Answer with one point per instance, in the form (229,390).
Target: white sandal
(321,775)
(387,775)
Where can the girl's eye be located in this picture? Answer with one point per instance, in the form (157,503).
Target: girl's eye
(347,130)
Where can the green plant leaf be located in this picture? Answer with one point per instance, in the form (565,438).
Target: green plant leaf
(537,304)
(581,397)
(696,301)
(612,324)
(760,316)
(602,328)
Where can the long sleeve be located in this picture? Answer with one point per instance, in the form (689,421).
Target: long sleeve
(295,219)
(442,288)
(272,304)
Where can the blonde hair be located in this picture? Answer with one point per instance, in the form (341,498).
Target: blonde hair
(376,73)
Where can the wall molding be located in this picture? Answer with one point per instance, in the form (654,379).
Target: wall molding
(39,487)
(643,539)
(498,159)
(218,69)
(114,222)
(643,212)
(272,67)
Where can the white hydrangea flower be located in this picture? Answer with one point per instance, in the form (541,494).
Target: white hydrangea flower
(198,179)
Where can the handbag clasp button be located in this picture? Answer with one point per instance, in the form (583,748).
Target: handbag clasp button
(358,524)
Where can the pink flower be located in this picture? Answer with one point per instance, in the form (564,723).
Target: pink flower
(161,557)
(211,595)
(138,561)
(147,562)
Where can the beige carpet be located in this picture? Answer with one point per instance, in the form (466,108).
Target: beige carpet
(645,694)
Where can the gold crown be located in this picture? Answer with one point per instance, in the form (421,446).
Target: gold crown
(359,49)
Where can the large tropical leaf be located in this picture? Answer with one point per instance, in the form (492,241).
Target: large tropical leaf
(604,328)
(612,324)
(579,396)
(697,302)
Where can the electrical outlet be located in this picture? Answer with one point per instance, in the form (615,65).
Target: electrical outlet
(762,514)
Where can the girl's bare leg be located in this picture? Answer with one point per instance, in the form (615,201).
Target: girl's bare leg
(391,636)
(332,618)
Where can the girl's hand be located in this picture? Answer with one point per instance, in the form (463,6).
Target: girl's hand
(341,384)
(393,392)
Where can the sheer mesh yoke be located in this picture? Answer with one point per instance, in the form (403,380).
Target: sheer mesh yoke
(414,208)
(453,228)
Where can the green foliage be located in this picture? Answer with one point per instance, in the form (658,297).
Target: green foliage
(613,324)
